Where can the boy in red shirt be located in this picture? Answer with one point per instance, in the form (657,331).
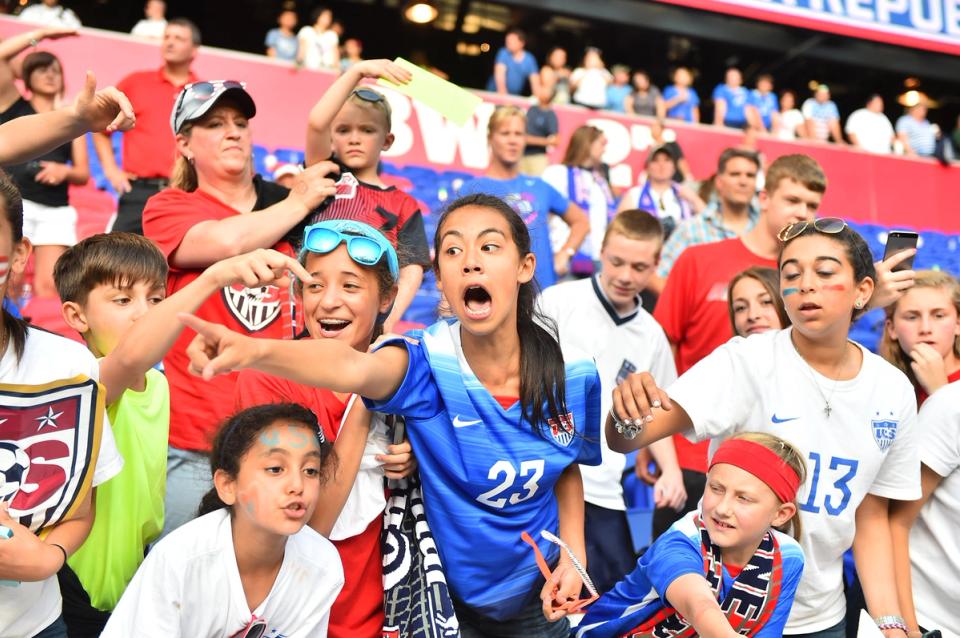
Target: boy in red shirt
(353,124)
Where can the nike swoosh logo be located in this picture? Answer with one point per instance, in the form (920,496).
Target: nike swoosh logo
(460,423)
(776,420)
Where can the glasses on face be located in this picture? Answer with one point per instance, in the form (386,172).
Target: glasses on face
(570,606)
(254,629)
(374,97)
(195,94)
(826,225)
(366,250)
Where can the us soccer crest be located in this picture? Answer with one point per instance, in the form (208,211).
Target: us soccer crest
(253,308)
(562,432)
(49,443)
(884,432)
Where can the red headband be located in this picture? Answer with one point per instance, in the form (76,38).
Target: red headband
(763,463)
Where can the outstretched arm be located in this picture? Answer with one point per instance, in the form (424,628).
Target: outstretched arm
(322,114)
(324,363)
(153,334)
(27,137)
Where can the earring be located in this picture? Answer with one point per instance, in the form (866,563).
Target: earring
(858,304)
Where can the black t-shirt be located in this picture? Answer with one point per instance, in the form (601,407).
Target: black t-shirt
(540,123)
(24,175)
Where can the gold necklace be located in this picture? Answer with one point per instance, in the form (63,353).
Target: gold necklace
(816,384)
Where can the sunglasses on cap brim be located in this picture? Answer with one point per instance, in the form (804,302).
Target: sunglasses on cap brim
(365,245)
(195,95)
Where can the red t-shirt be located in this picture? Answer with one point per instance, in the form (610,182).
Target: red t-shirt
(197,407)
(391,211)
(922,394)
(693,313)
(358,610)
(149,148)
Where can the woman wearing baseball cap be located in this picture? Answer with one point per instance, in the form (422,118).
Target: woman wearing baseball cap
(215,208)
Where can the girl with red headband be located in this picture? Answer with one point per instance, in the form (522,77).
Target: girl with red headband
(851,414)
(724,566)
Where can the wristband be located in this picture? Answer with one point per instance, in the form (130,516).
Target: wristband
(892,622)
(628,428)
(60,547)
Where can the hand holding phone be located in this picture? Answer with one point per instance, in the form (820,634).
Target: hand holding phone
(897,242)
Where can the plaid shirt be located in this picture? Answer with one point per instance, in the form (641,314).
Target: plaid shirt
(700,229)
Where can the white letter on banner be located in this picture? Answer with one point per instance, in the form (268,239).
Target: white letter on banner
(952,17)
(399,123)
(835,6)
(933,24)
(887,7)
(442,138)
(856,10)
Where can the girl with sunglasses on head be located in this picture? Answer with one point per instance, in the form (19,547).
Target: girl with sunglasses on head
(218,208)
(850,413)
(354,272)
(498,416)
(350,125)
(719,561)
(249,566)
(532,198)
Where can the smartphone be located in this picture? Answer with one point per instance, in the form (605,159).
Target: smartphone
(898,241)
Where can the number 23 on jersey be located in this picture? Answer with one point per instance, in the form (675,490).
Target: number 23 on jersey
(514,485)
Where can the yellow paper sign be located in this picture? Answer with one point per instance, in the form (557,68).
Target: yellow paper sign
(451,101)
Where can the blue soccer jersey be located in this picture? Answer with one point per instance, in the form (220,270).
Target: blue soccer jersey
(534,200)
(486,475)
(642,593)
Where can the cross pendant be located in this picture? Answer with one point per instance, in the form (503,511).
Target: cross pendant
(827,409)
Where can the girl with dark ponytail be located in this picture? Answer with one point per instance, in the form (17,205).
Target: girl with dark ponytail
(249,564)
(498,417)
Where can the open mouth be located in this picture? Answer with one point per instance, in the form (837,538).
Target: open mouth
(809,306)
(477,301)
(295,510)
(331,328)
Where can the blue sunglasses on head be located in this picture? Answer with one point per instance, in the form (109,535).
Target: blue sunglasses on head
(365,245)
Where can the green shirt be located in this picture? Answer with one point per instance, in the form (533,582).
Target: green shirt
(129,507)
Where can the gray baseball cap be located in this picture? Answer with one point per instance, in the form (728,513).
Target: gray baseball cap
(197,98)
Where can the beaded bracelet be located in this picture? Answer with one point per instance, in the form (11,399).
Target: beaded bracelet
(892,622)
(628,428)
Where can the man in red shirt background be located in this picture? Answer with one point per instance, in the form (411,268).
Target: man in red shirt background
(149,149)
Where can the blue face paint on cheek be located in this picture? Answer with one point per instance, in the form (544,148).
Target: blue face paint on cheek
(789,291)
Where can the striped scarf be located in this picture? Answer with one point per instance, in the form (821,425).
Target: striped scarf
(749,603)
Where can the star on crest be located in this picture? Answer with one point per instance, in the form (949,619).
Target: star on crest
(48,419)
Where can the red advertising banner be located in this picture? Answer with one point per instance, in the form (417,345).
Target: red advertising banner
(887,190)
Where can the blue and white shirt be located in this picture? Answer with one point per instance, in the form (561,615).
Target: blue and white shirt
(488,476)
(677,553)
(736,99)
(766,104)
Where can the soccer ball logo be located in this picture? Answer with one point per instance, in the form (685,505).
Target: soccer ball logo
(14,464)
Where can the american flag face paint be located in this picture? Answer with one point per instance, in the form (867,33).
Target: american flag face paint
(4,269)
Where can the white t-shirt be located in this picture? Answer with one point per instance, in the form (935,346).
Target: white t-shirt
(147,28)
(934,539)
(635,342)
(598,209)
(790,121)
(27,609)
(867,446)
(668,203)
(873,130)
(189,585)
(321,49)
(591,86)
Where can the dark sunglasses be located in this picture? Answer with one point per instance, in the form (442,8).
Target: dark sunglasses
(199,92)
(256,628)
(374,97)
(826,225)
